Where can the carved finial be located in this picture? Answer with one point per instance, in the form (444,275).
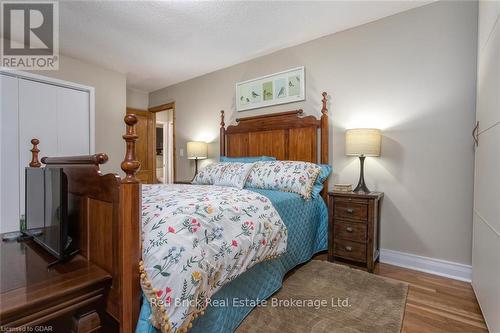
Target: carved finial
(35,163)
(100,158)
(222,124)
(130,165)
(324,110)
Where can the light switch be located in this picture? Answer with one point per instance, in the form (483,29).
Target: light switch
(181,152)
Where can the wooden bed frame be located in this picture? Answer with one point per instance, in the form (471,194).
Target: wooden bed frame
(110,219)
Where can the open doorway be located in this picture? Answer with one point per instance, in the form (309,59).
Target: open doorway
(164,143)
(164,148)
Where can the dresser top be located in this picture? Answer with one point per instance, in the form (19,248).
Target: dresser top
(361,195)
(27,283)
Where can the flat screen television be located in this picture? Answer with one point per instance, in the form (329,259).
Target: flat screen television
(47,208)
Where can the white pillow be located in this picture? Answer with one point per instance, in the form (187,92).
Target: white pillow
(235,174)
(209,174)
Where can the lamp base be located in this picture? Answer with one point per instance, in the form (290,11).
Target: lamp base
(361,187)
(195,169)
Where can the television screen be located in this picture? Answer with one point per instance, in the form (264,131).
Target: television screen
(35,199)
(46,208)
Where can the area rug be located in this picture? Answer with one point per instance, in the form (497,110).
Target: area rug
(325,297)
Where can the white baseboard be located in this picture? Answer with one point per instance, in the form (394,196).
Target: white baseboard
(440,267)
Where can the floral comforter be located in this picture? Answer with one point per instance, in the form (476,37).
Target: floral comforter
(197,238)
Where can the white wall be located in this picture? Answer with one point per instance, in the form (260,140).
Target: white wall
(137,99)
(413,76)
(110,105)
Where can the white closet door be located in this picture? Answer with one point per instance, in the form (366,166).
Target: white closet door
(9,163)
(488,82)
(37,119)
(73,122)
(486,271)
(486,230)
(487,179)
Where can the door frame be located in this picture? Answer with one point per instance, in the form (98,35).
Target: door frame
(164,107)
(151,136)
(164,127)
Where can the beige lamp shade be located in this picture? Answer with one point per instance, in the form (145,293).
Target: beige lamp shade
(362,141)
(197,150)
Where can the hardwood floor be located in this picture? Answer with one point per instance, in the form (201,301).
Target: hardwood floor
(435,304)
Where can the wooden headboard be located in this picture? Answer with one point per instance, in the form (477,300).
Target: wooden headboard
(285,135)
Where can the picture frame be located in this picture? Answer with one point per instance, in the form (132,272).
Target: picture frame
(279,88)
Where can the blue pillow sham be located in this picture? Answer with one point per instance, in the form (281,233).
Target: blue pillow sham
(326,169)
(249,159)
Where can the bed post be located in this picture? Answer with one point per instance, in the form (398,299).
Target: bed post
(222,137)
(129,232)
(35,163)
(324,141)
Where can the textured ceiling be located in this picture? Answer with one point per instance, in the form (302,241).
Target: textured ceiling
(158,44)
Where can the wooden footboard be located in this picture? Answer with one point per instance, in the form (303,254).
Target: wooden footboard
(108,222)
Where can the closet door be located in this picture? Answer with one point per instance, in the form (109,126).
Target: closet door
(9,163)
(37,119)
(73,122)
(486,230)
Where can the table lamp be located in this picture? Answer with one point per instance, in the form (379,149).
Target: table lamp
(197,150)
(362,142)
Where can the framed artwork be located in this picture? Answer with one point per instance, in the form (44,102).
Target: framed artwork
(278,88)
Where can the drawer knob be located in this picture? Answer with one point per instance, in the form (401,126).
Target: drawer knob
(348,229)
(350,210)
(348,248)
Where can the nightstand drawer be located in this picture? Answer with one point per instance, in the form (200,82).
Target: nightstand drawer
(350,231)
(351,210)
(350,250)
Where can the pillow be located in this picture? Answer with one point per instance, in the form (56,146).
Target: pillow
(209,174)
(247,159)
(326,169)
(235,174)
(288,176)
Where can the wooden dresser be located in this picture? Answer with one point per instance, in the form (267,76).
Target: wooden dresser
(354,223)
(67,297)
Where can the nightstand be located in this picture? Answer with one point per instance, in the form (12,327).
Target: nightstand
(353,227)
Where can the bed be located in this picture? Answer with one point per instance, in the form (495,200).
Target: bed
(307,234)
(110,223)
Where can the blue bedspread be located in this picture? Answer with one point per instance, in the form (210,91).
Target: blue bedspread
(307,223)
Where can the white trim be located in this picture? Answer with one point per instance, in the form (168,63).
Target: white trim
(449,269)
(64,84)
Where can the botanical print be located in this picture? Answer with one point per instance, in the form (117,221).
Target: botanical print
(288,176)
(235,174)
(267,90)
(195,239)
(280,88)
(294,85)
